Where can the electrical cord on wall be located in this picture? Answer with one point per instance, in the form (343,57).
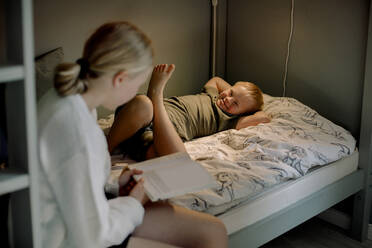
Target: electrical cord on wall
(288,49)
(214,37)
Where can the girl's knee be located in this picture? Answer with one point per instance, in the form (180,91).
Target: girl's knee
(219,227)
(215,234)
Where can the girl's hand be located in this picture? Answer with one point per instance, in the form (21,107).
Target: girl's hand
(126,175)
(138,192)
(129,186)
(126,181)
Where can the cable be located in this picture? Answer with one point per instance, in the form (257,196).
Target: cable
(214,38)
(288,49)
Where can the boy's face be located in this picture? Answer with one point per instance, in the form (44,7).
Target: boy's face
(236,100)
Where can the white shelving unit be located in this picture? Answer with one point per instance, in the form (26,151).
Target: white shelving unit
(11,181)
(20,179)
(11,73)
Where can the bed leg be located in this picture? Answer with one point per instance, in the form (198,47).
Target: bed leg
(360,220)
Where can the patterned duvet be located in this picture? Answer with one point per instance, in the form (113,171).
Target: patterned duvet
(253,159)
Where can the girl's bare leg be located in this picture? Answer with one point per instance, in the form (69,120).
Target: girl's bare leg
(181,227)
(136,114)
(166,139)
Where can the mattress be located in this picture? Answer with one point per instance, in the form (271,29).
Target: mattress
(255,159)
(271,201)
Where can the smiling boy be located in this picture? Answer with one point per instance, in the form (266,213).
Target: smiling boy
(219,107)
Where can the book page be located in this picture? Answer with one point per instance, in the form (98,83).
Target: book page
(173,175)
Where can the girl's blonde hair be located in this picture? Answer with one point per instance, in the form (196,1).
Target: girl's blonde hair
(255,92)
(113,47)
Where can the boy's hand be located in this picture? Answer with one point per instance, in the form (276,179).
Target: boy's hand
(252,120)
(262,116)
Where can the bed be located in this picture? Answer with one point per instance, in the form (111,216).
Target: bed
(250,229)
(273,176)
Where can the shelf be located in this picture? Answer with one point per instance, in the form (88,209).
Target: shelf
(11,180)
(11,73)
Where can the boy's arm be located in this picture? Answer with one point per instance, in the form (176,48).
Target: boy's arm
(252,120)
(218,83)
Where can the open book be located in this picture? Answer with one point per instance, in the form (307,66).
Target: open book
(173,175)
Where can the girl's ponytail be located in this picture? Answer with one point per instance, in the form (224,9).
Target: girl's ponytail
(67,80)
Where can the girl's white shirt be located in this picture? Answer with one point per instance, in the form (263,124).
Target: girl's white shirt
(74,167)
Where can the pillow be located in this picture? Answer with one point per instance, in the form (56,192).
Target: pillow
(106,123)
(44,70)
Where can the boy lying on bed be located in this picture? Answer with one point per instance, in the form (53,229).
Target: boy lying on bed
(141,126)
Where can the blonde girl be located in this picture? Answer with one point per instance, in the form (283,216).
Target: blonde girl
(74,159)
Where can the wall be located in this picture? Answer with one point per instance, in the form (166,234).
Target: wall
(221,38)
(180,31)
(2,33)
(327,53)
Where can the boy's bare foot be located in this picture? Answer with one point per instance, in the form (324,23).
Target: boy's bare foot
(159,78)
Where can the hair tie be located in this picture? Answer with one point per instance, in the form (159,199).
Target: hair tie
(84,67)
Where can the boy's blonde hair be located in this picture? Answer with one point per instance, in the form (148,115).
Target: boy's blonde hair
(255,92)
(113,47)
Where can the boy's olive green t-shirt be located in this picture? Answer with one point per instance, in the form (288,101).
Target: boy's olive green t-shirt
(198,115)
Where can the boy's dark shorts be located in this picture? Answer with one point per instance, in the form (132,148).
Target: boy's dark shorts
(136,146)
